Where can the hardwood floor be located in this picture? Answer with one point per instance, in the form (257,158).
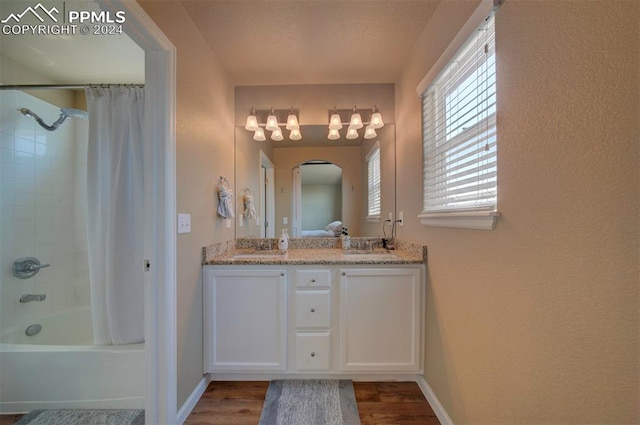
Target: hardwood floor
(240,403)
(379,403)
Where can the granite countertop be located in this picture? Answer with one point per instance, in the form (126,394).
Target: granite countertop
(244,252)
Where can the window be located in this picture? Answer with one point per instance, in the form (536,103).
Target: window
(373,179)
(459,137)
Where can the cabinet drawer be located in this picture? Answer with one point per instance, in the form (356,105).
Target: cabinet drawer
(313,309)
(313,278)
(313,351)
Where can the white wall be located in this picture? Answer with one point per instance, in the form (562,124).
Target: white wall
(42,210)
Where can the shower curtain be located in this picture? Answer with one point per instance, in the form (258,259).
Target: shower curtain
(115,213)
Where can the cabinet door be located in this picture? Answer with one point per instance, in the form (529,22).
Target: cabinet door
(245,320)
(380,319)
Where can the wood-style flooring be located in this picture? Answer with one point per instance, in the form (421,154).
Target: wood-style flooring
(240,403)
(379,403)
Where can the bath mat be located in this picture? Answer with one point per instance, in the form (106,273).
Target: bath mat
(310,402)
(83,417)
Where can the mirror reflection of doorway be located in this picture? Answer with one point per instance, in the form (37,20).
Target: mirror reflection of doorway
(318,195)
(267,197)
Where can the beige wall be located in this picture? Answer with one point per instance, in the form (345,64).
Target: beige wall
(537,321)
(204,152)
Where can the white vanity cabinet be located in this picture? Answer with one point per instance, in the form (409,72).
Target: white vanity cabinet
(380,316)
(311,304)
(314,320)
(245,319)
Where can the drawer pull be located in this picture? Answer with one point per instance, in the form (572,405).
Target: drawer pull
(313,310)
(313,354)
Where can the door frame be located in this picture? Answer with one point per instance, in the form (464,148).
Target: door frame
(159,131)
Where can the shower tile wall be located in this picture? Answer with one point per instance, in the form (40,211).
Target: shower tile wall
(42,210)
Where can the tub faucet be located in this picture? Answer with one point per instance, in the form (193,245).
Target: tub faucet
(27,298)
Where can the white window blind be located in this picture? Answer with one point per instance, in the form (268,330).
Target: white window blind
(459,130)
(373,179)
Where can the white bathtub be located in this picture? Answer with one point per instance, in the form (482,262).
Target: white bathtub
(59,368)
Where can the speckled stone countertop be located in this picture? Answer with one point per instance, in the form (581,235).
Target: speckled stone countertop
(242,252)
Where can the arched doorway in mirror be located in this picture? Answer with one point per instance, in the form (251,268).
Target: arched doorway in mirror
(317,199)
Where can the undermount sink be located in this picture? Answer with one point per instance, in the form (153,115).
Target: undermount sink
(260,254)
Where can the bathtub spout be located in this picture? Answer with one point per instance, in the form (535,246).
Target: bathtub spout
(27,298)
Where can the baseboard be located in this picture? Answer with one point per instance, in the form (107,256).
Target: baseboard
(442,414)
(192,400)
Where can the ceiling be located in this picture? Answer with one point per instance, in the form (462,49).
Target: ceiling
(311,41)
(258,42)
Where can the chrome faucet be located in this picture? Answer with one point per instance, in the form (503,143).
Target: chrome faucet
(27,298)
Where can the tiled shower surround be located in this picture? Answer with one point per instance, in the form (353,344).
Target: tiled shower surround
(42,210)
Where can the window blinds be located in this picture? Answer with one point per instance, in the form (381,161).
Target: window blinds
(459,129)
(373,179)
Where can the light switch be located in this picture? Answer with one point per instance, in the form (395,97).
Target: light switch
(401,218)
(285,220)
(184,223)
(227,223)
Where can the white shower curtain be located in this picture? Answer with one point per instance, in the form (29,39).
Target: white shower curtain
(115,213)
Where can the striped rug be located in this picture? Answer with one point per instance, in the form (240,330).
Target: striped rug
(310,402)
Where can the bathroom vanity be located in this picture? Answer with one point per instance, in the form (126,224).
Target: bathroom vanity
(314,312)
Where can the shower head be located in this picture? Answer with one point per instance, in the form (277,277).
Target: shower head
(64,114)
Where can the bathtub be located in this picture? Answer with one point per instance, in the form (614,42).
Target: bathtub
(60,368)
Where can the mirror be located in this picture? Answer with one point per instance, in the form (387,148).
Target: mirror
(265,172)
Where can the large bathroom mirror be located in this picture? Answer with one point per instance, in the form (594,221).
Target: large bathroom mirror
(270,195)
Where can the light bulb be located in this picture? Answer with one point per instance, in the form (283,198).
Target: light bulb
(258,136)
(370,132)
(252,121)
(356,120)
(333,134)
(335,123)
(295,134)
(376,119)
(292,122)
(277,134)
(272,121)
(352,133)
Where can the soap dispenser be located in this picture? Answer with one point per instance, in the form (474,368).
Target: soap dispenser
(283,242)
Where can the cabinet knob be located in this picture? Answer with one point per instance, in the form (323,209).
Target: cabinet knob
(313,281)
(344,273)
(313,310)
(313,354)
(281,273)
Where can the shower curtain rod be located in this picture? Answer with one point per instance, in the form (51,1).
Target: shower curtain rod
(63,86)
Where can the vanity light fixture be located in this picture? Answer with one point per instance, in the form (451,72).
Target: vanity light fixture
(333,134)
(338,118)
(335,122)
(295,134)
(276,134)
(292,121)
(356,119)
(252,121)
(370,132)
(376,119)
(352,133)
(259,136)
(271,119)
